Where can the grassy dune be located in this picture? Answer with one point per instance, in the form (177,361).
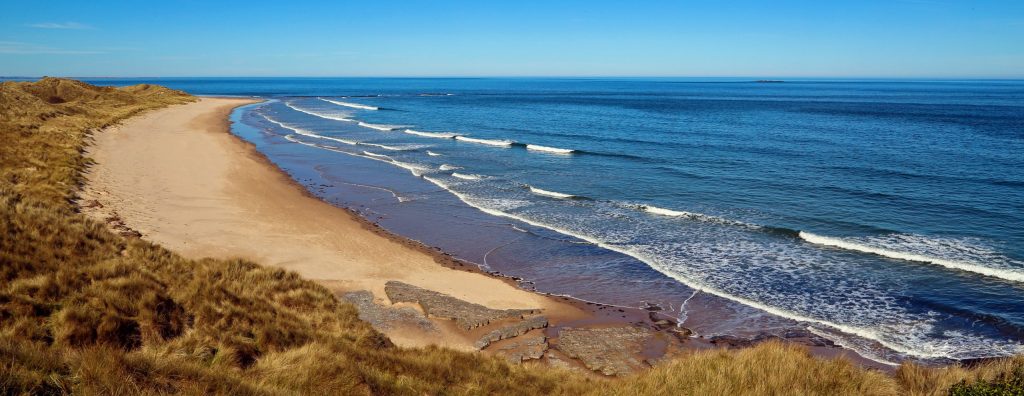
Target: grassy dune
(84,310)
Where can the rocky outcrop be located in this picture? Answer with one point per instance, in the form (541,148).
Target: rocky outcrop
(512,330)
(610,350)
(383,317)
(438,305)
(522,349)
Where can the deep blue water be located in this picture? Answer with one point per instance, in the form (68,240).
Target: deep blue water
(887,216)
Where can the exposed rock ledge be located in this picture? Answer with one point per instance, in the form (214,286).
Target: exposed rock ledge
(609,350)
(466,314)
(513,330)
(383,317)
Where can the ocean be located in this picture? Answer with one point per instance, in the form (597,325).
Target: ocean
(884,215)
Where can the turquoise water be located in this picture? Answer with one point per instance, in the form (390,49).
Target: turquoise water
(886,216)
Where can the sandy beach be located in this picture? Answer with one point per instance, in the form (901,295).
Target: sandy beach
(179,178)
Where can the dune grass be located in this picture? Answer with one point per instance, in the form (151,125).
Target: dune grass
(87,311)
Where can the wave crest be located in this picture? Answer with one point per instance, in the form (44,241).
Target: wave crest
(306,132)
(465,176)
(352,105)
(379,127)
(551,194)
(489,142)
(320,115)
(404,147)
(438,135)
(376,155)
(1006,274)
(546,149)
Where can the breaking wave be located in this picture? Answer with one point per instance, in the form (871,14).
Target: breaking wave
(438,135)
(416,170)
(889,251)
(335,117)
(553,150)
(551,194)
(489,142)
(352,105)
(379,127)
(433,154)
(306,132)
(465,176)
(404,147)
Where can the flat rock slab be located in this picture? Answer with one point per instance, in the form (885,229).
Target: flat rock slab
(383,317)
(466,315)
(522,349)
(512,330)
(609,350)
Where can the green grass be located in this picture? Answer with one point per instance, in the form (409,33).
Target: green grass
(86,311)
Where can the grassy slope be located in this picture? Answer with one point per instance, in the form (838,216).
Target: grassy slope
(83,310)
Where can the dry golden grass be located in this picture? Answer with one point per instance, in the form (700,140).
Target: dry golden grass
(83,310)
(771,368)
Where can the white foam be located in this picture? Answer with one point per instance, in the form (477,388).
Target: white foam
(379,127)
(433,154)
(696,216)
(466,176)
(376,155)
(292,139)
(305,132)
(489,142)
(405,147)
(446,167)
(553,150)
(438,135)
(552,194)
(416,170)
(654,263)
(665,212)
(1006,274)
(321,115)
(352,105)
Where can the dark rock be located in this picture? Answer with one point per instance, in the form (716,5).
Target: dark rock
(610,350)
(512,330)
(466,314)
(524,349)
(806,337)
(731,341)
(681,332)
(383,317)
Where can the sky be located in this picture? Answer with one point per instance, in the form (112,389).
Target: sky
(824,38)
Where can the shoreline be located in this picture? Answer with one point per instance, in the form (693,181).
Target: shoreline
(562,311)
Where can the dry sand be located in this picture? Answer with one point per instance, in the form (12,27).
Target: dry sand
(179,177)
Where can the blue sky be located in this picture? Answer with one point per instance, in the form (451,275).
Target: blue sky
(869,38)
